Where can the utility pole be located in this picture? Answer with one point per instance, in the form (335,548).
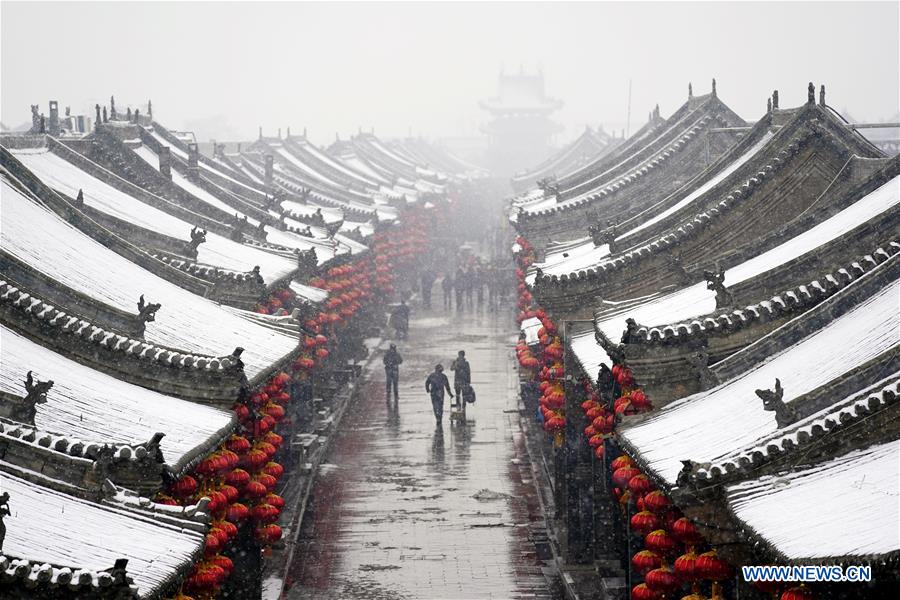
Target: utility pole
(628,117)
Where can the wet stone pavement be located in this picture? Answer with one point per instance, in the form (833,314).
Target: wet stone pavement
(402,509)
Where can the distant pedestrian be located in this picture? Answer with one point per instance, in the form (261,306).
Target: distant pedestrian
(470,286)
(400,320)
(447,287)
(479,281)
(427,283)
(435,385)
(392,361)
(462,372)
(459,282)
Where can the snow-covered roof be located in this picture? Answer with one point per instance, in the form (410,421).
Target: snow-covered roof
(588,352)
(731,416)
(303,167)
(90,406)
(218,250)
(365,229)
(147,153)
(329,214)
(355,174)
(46,526)
(308,292)
(709,184)
(187,322)
(696,300)
(793,437)
(845,507)
(689,126)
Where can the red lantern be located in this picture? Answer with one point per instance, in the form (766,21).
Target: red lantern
(656,501)
(274,439)
(710,566)
(241,411)
(644,522)
(661,580)
(621,461)
(266,480)
(686,532)
(238,443)
(229,459)
(639,484)
(227,529)
(642,592)
(686,567)
(264,513)
(621,477)
(205,578)
(268,534)
(238,478)
(213,544)
(660,542)
(274,469)
(645,560)
(276,411)
(223,562)
(230,492)
(236,512)
(275,500)
(639,400)
(255,489)
(217,500)
(255,458)
(599,452)
(206,467)
(185,487)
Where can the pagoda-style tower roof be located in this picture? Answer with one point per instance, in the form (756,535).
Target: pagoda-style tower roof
(521,94)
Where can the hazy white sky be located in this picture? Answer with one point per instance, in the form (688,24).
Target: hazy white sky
(226,68)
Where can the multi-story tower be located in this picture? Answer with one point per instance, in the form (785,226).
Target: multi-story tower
(520,130)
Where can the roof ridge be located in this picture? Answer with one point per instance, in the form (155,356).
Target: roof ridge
(692,226)
(31,572)
(31,305)
(785,302)
(840,415)
(639,171)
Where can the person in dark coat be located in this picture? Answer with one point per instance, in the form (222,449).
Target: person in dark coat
(470,286)
(462,372)
(447,286)
(400,320)
(392,361)
(435,385)
(427,283)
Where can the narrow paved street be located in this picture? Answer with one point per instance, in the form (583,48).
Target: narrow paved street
(405,510)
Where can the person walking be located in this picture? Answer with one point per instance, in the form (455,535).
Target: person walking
(462,373)
(400,320)
(470,286)
(447,286)
(435,385)
(392,361)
